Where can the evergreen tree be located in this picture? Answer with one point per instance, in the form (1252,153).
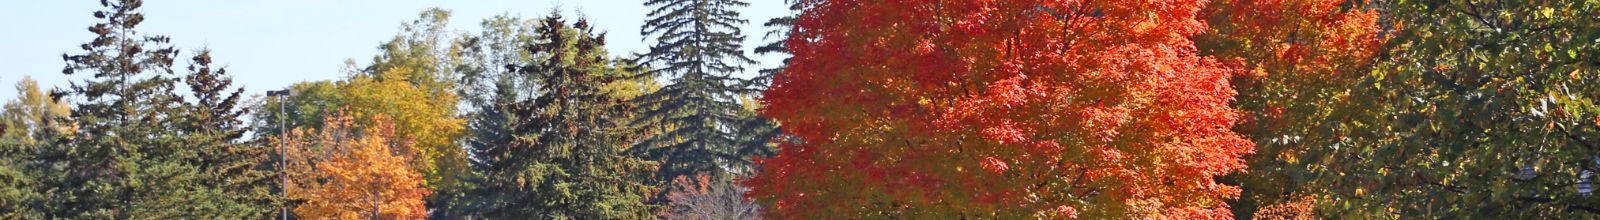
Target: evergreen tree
(487,82)
(28,124)
(142,150)
(239,171)
(696,118)
(557,150)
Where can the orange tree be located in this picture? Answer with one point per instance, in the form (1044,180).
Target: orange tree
(350,172)
(1001,108)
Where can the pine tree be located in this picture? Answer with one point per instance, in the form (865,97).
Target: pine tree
(558,150)
(696,118)
(142,150)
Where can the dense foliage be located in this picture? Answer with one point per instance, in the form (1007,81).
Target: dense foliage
(135,147)
(920,109)
(1293,63)
(696,119)
(345,171)
(1474,110)
(1005,109)
(561,128)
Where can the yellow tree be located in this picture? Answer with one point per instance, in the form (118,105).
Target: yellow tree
(32,111)
(423,114)
(347,171)
(411,82)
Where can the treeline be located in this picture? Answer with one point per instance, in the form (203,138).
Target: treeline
(1014,109)
(530,118)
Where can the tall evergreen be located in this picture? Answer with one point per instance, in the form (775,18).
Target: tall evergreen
(142,150)
(557,150)
(697,117)
(236,168)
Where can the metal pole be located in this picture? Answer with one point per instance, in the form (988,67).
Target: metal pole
(283,158)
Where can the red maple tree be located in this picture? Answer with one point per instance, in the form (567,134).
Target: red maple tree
(1001,108)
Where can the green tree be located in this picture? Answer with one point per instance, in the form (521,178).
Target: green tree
(552,144)
(237,170)
(142,150)
(485,55)
(1476,109)
(28,124)
(696,118)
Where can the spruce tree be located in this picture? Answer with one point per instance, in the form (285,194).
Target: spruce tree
(696,118)
(558,150)
(237,169)
(142,150)
(28,124)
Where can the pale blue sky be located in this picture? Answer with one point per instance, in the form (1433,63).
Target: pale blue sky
(269,44)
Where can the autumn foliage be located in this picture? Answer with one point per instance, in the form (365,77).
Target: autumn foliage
(1009,109)
(1294,62)
(349,172)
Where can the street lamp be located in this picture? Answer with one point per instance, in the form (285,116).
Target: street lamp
(283,161)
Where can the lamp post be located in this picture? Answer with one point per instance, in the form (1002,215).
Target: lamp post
(283,161)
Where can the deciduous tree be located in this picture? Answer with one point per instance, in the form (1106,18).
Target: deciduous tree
(412,83)
(33,110)
(1476,109)
(1001,109)
(349,171)
(1293,63)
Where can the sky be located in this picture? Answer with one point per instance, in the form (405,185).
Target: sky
(270,44)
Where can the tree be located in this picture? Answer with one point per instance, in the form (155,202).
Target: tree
(141,150)
(237,171)
(411,82)
(696,118)
(1000,109)
(484,56)
(483,60)
(558,150)
(1477,109)
(1293,63)
(346,171)
(708,199)
(28,125)
(32,111)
